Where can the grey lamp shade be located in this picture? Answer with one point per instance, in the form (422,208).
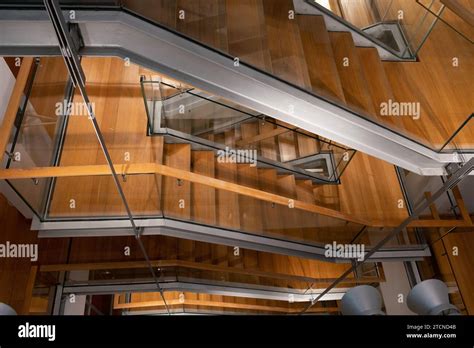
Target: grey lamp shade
(430,297)
(6,309)
(362,300)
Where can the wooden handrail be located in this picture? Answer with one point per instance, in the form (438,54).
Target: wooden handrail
(154,168)
(160,169)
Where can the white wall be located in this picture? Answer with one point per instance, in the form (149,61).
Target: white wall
(7,81)
(77,307)
(396,283)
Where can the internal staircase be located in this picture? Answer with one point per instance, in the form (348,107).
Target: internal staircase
(186,115)
(230,210)
(300,51)
(269,65)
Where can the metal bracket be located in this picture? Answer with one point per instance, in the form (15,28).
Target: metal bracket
(451,168)
(10,155)
(76,36)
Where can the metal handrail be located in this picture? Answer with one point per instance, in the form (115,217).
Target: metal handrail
(257,117)
(119,6)
(334,175)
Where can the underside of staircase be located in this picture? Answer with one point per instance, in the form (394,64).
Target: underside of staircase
(203,277)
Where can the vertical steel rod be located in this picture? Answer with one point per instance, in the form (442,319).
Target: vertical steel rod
(71,58)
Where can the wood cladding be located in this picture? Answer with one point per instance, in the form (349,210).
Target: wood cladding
(304,53)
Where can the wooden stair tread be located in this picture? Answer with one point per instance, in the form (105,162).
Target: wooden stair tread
(284,43)
(405,88)
(227,204)
(230,138)
(268,183)
(203,197)
(269,132)
(133,187)
(464,9)
(176,193)
(352,77)
(287,146)
(286,185)
(205,202)
(177,156)
(248,42)
(250,211)
(204,21)
(319,56)
(268,146)
(327,196)
(307,145)
(304,191)
(161,11)
(248,130)
(377,83)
